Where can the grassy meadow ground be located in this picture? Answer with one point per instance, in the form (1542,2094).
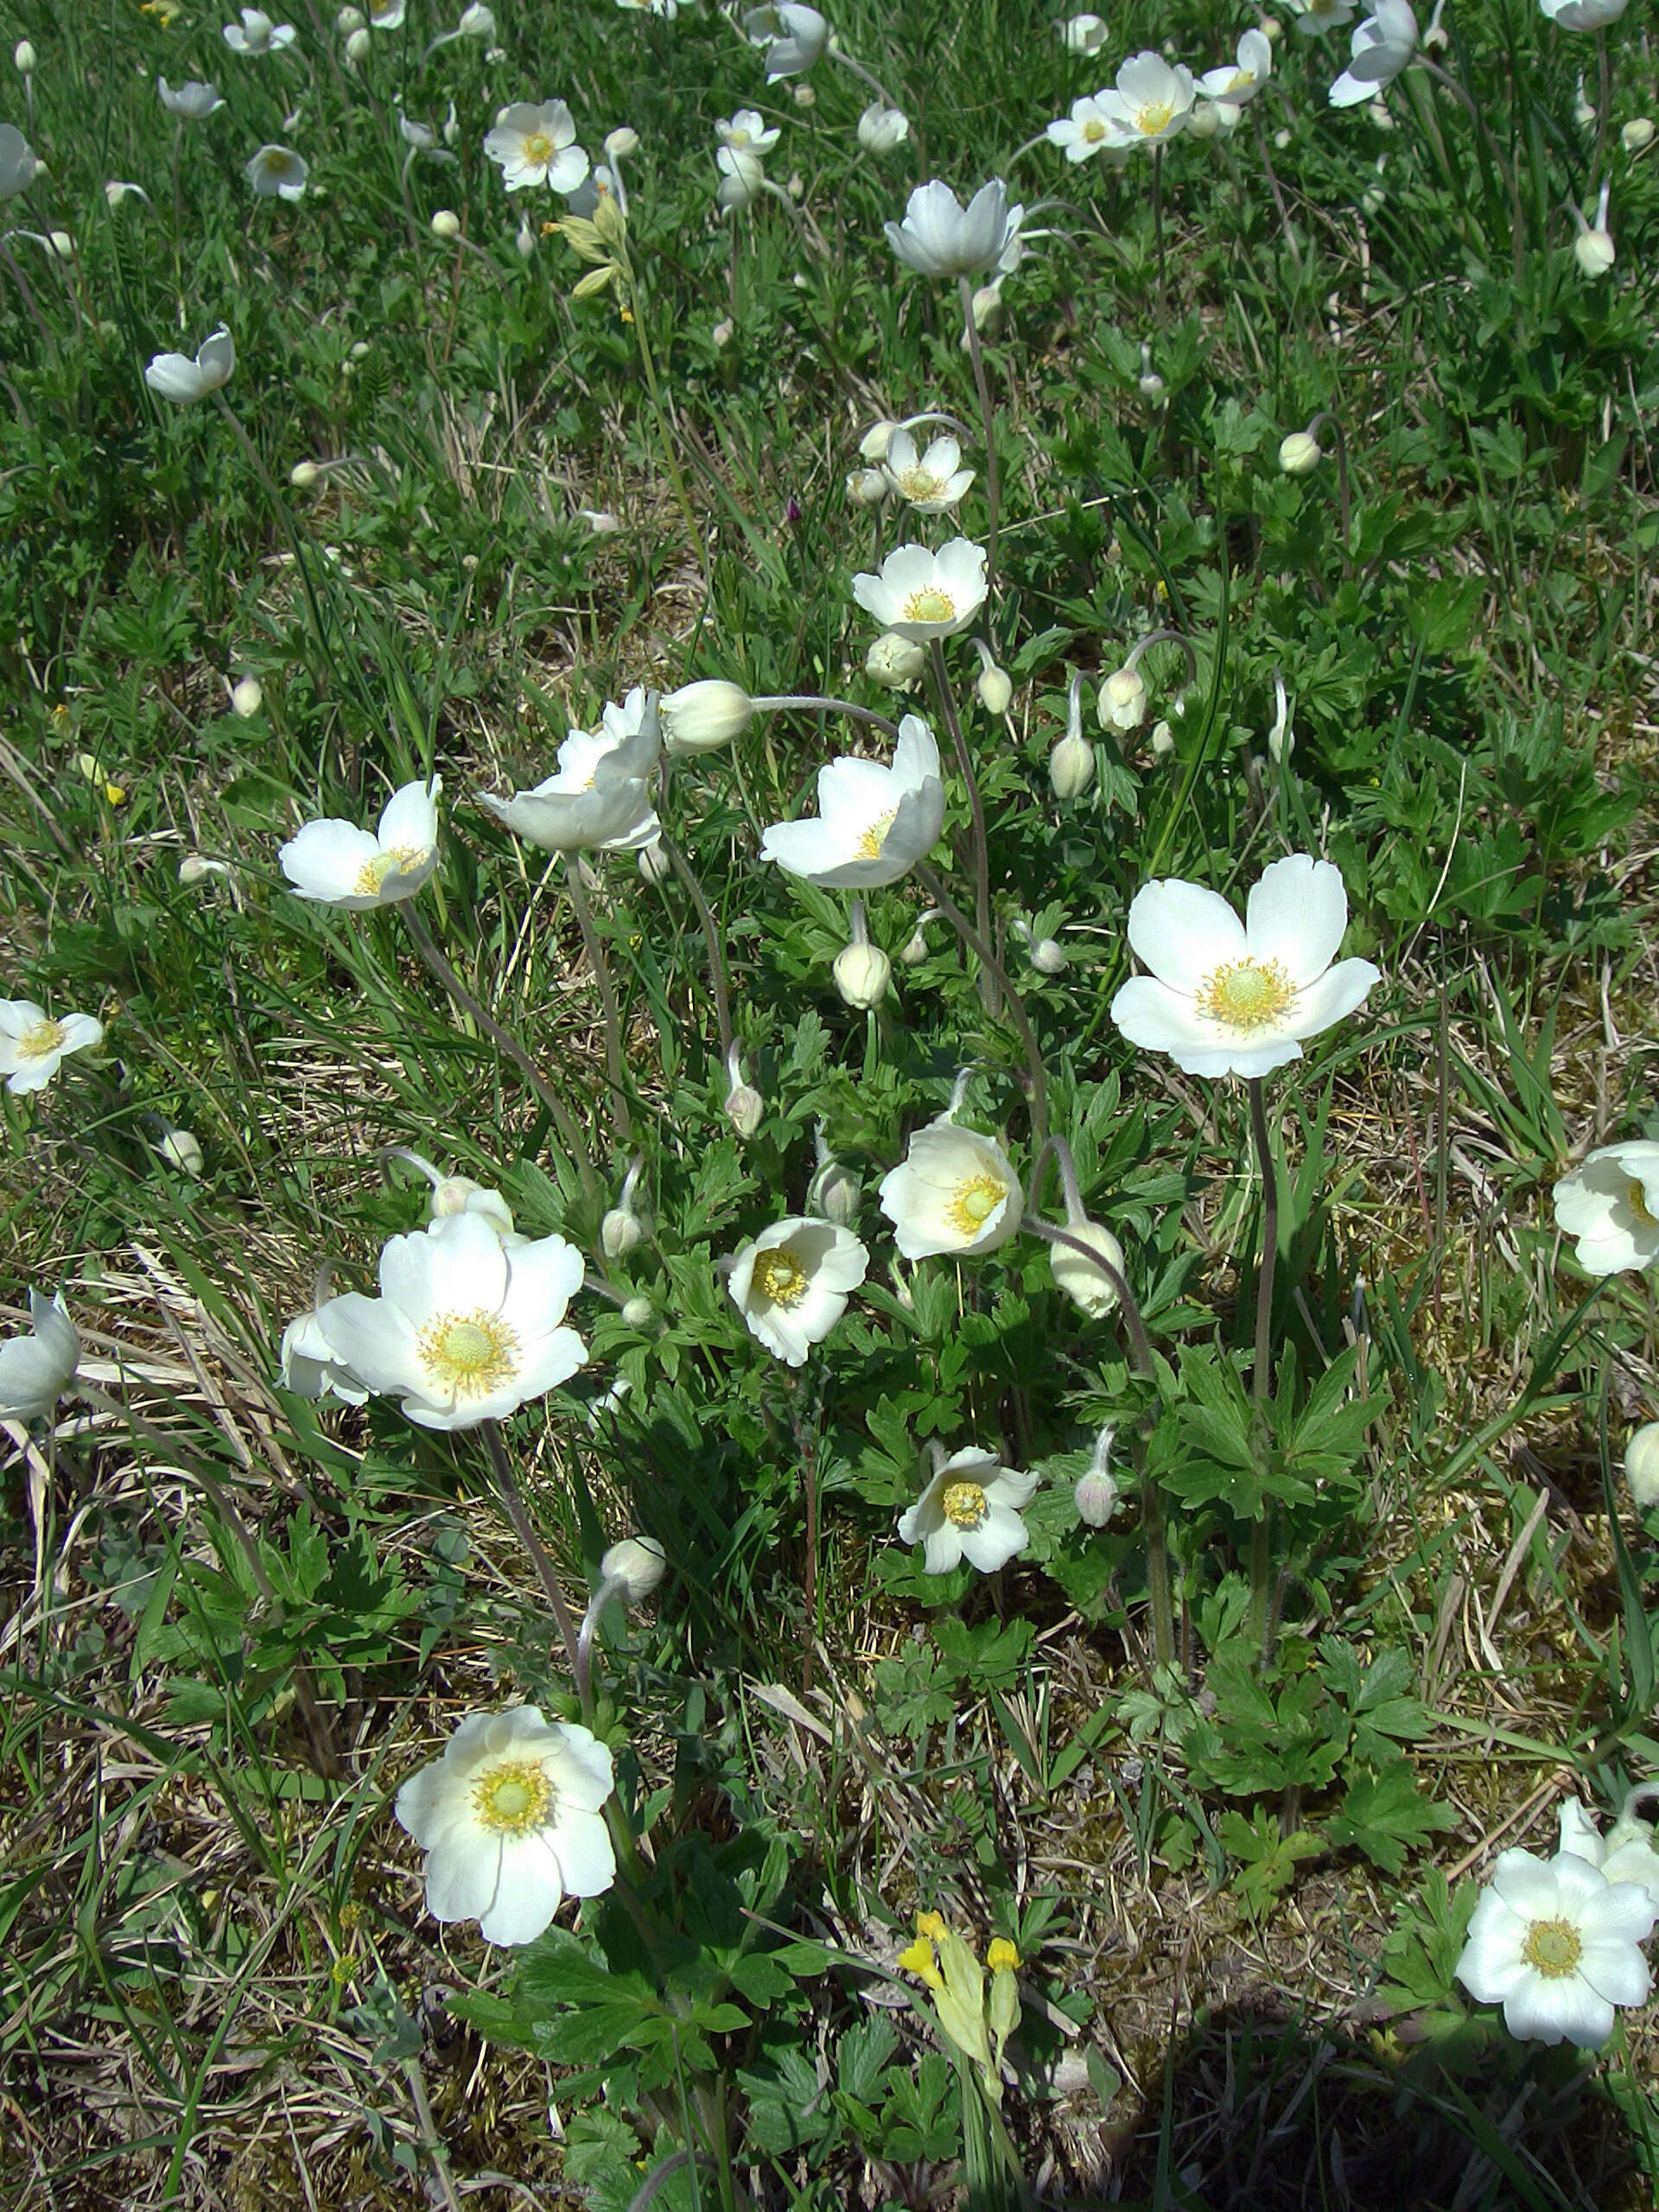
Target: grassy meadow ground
(233,1620)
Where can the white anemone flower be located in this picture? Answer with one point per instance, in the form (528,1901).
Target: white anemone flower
(1313,18)
(1087,131)
(308,1366)
(1557,1945)
(1609,1203)
(747,133)
(880,127)
(33,1046)
(465,1329)
(874,823)
(940,237)
(954,1192)
(512,1821)
(536,145)
(1381,47)
(598,798)
(921,594)
(1084,35)
(791,1284)
(385,14)
(19,165)
(1583,15)
(969,1511)
(1227,997)
(36,1370)
(792,37)
(1242,82)
(177,377)
(277,172)
(339,865)
(193,101)
(1150,100)
(257,33)
(1625,1853)
(742,177)
(934,481)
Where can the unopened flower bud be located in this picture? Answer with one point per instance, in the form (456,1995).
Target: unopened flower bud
(621,141)
(745,1107)
(1084,34)
(1584,113)
(1638,135)
(862,973)
(835,1194)
(23,55)
(196,868)
(1122,701)
(1594,252)
(1084,1280)
(637,1565)
(1281,741)
(358,46)
(654,864)
(476,22)
(1096,1493)
(875,440)
(723,332)
(1162,740)
(349,20)
(867,488)
(1048,957)
(995,686)
(1204,119)
(247,696)
(181,1149)
(703,716)
(1300,455)
(880,127)
(639,1313)
(446,224)
(619,1232)
(987,310)
(1071,767)
(525,240)
(806,97)
(304,474)
(895,661)
(1641,1464)
(62,244)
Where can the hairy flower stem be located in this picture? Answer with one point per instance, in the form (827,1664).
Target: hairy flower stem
(806,1451)
(992,481)
(777,702)
(1262,1607)
(620,1120)
(710,928)
(1158,223)
(992,973)
(507,1490)
(1343,495)
(1013,1004)
(569,1136)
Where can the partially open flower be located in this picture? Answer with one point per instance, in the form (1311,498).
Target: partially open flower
(895,661)
(792,37)
(337,864)
(276,172)
(256,34)
(1084,35)
(1609,1203)
(511,1821)
(36,1370)
(954,1192)
(792,1283)
(193,101)
(701,717)
(880,127)
(940,237)
(18,164)
(1382,47)
(933,482)
(1090,1286)
(1150,101)
(309,1367)
(599,797)
(970,1510)
(874,823)
(177,377)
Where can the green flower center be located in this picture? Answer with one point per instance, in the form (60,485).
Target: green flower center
(973,1202)
(964,1504)
(930,605)
(1151,120)
(45,1039)
(1093,131)
(470,1354)
(538,147)
(1635,1197)
(397,859)
(1554,1947)
(779,1277)
(513,1798)
(1247,994)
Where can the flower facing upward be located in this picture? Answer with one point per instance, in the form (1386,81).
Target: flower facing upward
(36,1370)
(32,1046)
(792,1283)
(747,133)
(193,101)
(464,1330)
(598,798)
(1240,84)
(933,481)
(921,594)
(874,823)
(1611,1205)
(536,145)
(1557,1945)
(175,376)
(968,1511)
(953,1192)
(510,1819)
(940,237)
(792,37)
(1227,997)
(339,865)
(1088,130)
(257,33)
(1150,101)
(276,172)
(1381,46)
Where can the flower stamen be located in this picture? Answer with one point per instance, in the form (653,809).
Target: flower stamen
(42,1041)
(964,1504)
(1554,1948)
(973,1202)
(1635,1197)
(470,1354)
(1247,994)
(930,605)
(514,1798)
(779,1277)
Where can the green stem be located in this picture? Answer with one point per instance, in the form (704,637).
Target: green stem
(1262,1607)
(993,971)
(992,481)
(710,928)
(1013,1004)
(621,1122)
(507,1490)
(637,305)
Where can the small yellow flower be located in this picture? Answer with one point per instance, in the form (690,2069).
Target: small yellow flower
(931,1925)
(918,1959)
(1002,1958)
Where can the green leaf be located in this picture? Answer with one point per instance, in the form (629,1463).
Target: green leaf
(1385,1815)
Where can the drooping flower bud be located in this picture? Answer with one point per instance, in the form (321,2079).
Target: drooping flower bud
(1096,1493)
(1084,1280)
(621,141)
(867,487)
(895,661)
(1641,1464)
(744,1108)
(636,1565)
(1300,455)
(304,474)
(1638,135)
(994,685)
(654,864)
(1122,701)
(1594,247)
(1281,741)
(875,440)
(247,696)
(358,46)
(446,224)
(703,716)
(181,1148)
(1071,767)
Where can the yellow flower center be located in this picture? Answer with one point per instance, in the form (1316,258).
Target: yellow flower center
(920,483)
(738,138)
(381,7)
(45,1039)
(868,847)
(538,147)
(1247,994)
(973,1202)
(930,605)
(1554,1947)
(779,1277)
(513,1798)
(471,1354)
(1093,131)
(964,1504)
(1151,120)
(1635,1197)
(397,859)
(279,164)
